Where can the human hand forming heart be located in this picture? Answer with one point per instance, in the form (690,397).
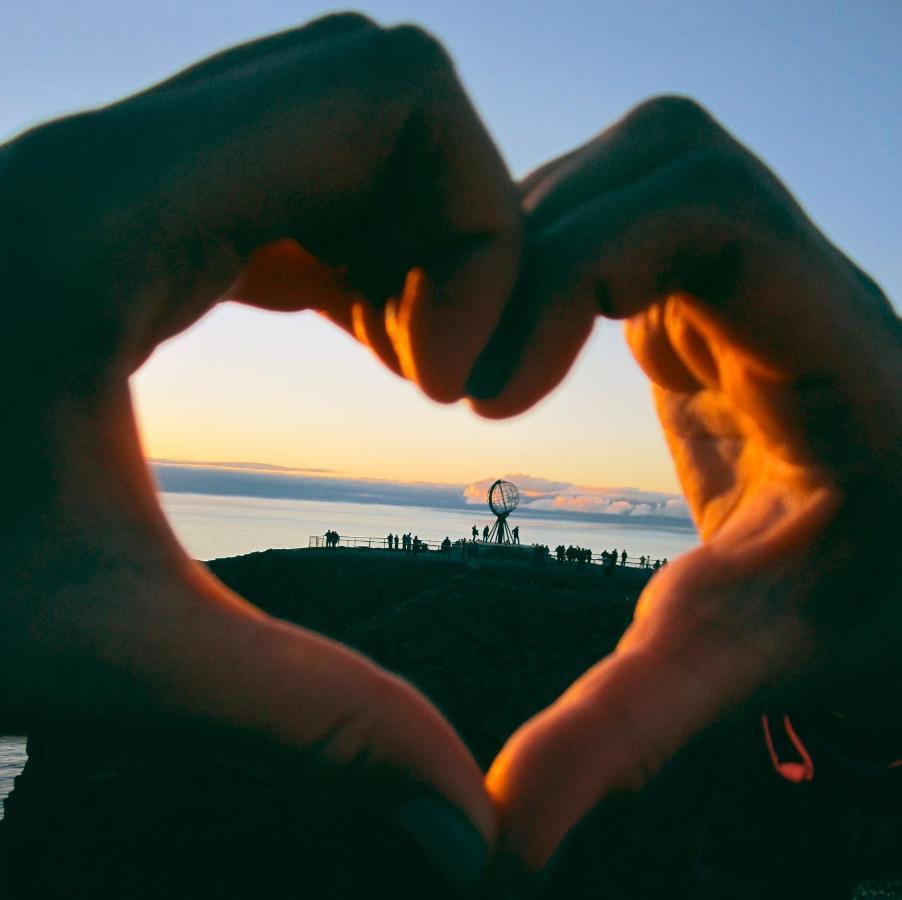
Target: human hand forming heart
(340,167)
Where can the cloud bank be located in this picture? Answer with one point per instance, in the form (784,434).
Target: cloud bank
(537,494)
(539,497)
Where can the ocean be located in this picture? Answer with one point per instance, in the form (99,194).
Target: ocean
(212,526)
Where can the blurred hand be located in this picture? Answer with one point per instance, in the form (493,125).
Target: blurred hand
(777,374)
(313,169)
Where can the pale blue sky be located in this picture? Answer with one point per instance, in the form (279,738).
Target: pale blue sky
(815,88)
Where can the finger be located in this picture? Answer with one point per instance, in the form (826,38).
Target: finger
(546,322)
(283,276)
(653,134)
(201,666)
(541,332)
(713,226)
(366,151)
(461,221)
(707,637)
(326,28)
(299,690)
(649,137)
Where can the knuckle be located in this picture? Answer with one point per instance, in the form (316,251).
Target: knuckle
(674,110)
(41,157)
(725,176)
(345,20)
(641,756)
(49,171)
(412,42)
(357,732)
(674,119)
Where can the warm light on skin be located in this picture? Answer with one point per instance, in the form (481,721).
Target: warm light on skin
(401,315)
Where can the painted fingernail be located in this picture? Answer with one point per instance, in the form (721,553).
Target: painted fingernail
(447,839)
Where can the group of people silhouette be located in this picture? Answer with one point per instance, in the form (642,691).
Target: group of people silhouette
(579,555)
(515,534)
(409,543)
(610,559)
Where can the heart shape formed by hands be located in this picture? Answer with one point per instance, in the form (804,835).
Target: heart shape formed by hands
(341,167)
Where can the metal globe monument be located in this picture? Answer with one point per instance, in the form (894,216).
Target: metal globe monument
(503,498)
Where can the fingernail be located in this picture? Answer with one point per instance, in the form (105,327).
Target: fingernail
(447,839)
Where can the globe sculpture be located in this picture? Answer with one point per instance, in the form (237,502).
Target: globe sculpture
(503,499)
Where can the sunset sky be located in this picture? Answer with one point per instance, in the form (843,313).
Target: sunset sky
(814,88)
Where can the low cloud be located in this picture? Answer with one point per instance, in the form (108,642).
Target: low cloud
(538,494)
(539,497)
(252,480)
(255,466)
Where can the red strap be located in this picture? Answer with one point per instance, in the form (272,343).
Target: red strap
(795,771)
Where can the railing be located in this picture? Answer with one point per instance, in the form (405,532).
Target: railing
(381,543)
(345,540)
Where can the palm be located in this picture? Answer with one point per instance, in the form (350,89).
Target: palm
(735,424)
(764,487)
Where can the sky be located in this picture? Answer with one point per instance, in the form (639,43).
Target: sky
(814,88)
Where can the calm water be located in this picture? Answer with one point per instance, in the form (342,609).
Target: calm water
(212,526)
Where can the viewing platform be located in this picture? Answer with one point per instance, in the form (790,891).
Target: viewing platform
(464,548)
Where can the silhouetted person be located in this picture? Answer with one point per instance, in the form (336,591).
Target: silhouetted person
(622,557)
(396,542)
(446,544)
(475,532)
(390,541)
(485,534)
(515,533)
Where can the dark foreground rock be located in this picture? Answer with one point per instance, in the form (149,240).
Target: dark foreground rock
(112,817)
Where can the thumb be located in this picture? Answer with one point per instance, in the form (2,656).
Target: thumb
(383,740)
(114,624)
(710,631)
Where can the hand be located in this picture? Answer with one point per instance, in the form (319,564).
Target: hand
(312,169)
(775,366)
